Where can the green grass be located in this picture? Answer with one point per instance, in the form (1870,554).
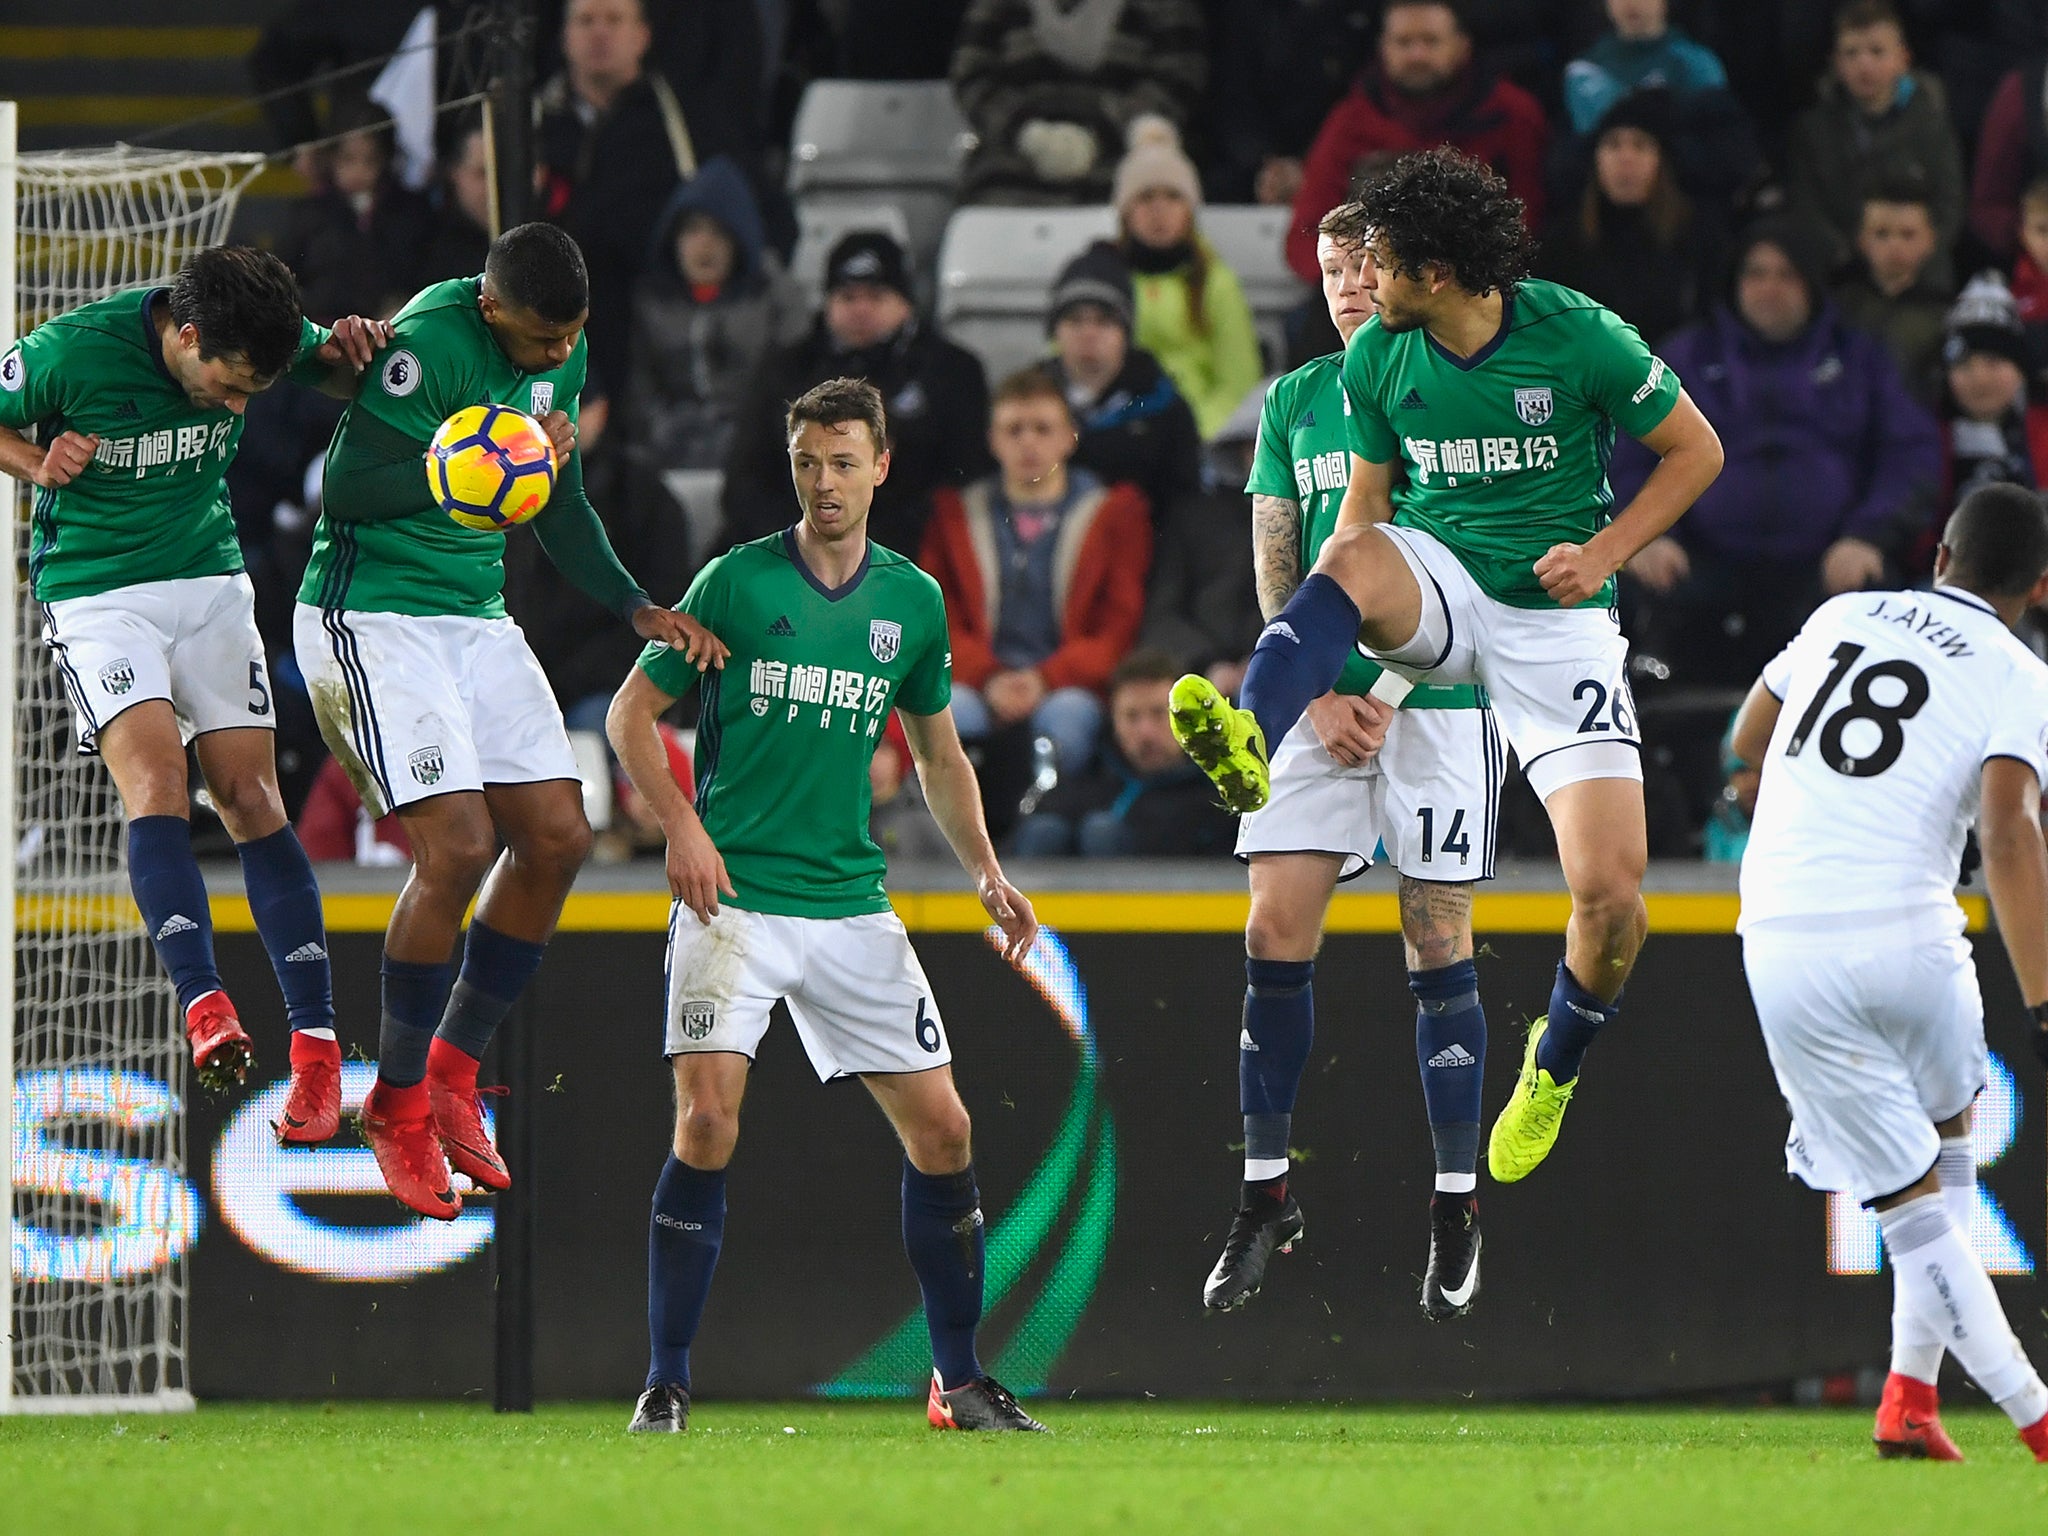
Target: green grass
(407,1470)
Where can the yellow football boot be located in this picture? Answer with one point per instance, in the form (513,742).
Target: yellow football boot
(1225,742)
(1527,1128)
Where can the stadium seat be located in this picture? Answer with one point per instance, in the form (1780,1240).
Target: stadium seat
(860,143)
(996,271)
(820,227)
(698,492)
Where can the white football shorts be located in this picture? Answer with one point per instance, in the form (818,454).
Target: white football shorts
(1875,1034)
(1432,796)
(1556,677)
(415,706)
(192,642)
(855,990)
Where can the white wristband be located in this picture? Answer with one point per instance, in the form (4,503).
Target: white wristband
(1390,688)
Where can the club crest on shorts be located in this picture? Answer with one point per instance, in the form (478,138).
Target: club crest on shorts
(1533,405)
(885,639)
(697,1019)
(426,765)
(118,676)
(543,397)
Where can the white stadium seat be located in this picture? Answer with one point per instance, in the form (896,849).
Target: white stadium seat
(996,271)
(864,143)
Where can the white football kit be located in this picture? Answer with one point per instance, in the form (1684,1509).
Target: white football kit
(1852,938)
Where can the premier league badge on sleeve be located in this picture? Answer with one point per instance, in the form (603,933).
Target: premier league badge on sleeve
(1533,405)
(885,638)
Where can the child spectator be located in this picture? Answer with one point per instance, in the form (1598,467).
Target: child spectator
(1890,291)
(1145,799)
(1191,309)
(1991,433)
(1877,116)
(1044,569)
(355,244)
(2030,276)
(1643,51)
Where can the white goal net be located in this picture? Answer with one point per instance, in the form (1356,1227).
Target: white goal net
(94,1196)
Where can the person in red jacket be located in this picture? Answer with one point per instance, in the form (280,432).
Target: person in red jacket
(1423,92)
(1044,568)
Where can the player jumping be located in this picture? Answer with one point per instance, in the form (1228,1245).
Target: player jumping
(1889,722)
(429,697)
(828,632)
(138,402)
(1430,793)
(1492,562)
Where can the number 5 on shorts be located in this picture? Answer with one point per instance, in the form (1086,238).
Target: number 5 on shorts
(927,1029)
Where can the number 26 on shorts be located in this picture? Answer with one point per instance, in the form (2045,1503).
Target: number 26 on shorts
(1605,710)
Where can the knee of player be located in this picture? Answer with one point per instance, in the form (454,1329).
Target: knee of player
(706,1133)
(1609,895)
(247,801)
(944,1141)
(561,844)
(457,853)
(1271,935)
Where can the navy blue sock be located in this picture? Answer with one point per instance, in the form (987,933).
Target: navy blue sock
(1576,1016)
(495,969)
(683,1239)
(285,900)
(1299,656)
(414,995)
(171,895)
(1450,1048)
(1272,1053)
(943,1234)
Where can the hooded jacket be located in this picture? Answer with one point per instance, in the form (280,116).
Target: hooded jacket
(1140,430)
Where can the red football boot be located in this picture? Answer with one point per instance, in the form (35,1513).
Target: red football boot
(398,1125)
(2035,1436)
(221,1053)
(1909,1422)
(312,1112)
(459,1116)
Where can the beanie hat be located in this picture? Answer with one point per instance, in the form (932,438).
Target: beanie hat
(1647,109)
(1985,318)
(868,256)
(1155,159)
(1097,276)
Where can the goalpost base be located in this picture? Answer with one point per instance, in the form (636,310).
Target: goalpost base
(154,1402)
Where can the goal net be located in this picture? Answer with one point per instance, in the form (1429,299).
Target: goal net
(94,1197)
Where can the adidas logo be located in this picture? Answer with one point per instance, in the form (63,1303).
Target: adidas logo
(127,410)
(1413,401)
(1454,1056)
(782,626)
(1281,628)
(176,923)
(1587,1014)
(1308,418)
(307,952)
(1245,1042)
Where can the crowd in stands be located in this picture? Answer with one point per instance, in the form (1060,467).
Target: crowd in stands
(1829,217)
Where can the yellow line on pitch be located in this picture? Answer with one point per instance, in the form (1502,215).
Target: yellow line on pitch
(55,43)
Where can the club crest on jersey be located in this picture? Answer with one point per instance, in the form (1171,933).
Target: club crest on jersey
(697,1019)
(118,676)
(426,765)
(400,374)
(1533,405)
(543,397)
(885,639)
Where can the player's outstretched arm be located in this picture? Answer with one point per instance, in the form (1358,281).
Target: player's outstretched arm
(59,464)
(1689,458)
(954,796)
(2016,874)
(696,871)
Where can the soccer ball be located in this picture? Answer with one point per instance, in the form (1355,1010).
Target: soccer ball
(491,467)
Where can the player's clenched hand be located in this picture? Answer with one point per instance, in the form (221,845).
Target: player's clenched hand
(355,342)
(1571,573)
(1351,728)
(680,632)
(66,459)
(1008,909)
(561,432)
(696,871)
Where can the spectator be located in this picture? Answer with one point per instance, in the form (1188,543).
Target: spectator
(335,828)
(1424,91)
(2030,276)
(936,394)
(462,229)
(2012,154)
(1635,241)
(1202,608)
(355,243)
(1191,309)
(1145,798)
(1891,292)
(1135,426)
(1043,568)
(1049,90)
(712,305)
(1877,117)
(1644,51)
(1991,433)
(1276,67)
(1831,467)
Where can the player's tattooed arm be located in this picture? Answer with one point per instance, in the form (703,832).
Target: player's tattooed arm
(1436,922)
(1276,551)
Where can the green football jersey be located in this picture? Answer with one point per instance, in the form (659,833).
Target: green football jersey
(415,558)
(786,731)
(1304,456)
(153,503)
(1507,450)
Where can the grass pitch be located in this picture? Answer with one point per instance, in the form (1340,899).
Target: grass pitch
(301,1470)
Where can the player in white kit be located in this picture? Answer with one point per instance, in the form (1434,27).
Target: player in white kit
(1889,723)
